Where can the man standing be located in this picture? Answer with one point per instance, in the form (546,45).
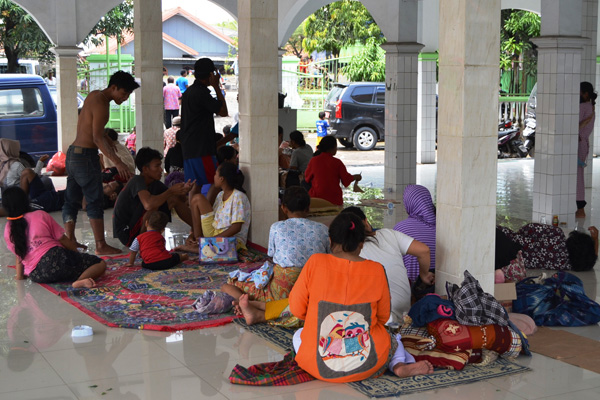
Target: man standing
(83,163)
(182,81)
(171,96)
(198,140)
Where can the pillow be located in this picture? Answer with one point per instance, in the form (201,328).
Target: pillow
(438,358)
(452,336)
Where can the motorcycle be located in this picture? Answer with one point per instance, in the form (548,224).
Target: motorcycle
(528,146)
(509,143)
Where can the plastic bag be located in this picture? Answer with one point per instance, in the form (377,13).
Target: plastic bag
(57,164)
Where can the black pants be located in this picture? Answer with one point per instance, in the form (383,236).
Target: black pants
(169,115)
(164,264)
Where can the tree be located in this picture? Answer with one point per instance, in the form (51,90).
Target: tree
(115,23)
(368,65)
(516,48)
(294,44)
(20,35)
(338,25)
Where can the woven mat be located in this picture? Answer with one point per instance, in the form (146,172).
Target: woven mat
(390,385)
(132,297)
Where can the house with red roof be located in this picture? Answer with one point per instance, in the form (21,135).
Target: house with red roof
(185,39)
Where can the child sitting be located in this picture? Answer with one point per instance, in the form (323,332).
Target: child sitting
(227,215)
(43,251)
(291,243)
(151,245)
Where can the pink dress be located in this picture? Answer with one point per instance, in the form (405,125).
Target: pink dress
(585,111)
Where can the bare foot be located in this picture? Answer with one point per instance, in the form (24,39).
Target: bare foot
(419,368)
(81,246)
(184,257)
(580,213)
(251,314)
(236,308)
(190,248)
(104,249)
(85,283)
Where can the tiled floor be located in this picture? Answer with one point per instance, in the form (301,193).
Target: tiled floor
(129,364)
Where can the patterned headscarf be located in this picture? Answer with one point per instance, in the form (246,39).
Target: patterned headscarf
(418,204)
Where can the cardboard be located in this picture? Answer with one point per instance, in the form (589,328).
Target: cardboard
(567,347)
(505,291)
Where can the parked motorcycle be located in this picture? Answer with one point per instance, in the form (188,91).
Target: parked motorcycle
(528,134)
(509,143)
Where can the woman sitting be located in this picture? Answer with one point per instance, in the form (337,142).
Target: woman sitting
(291,243)
(345,302)
(43,251)
(420,225)
(325,172)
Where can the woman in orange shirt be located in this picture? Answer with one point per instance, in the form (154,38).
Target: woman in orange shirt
(345,302)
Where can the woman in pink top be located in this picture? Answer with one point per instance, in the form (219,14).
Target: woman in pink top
(587,115)
(44,252)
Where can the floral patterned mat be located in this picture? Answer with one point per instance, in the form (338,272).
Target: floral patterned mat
(132,297)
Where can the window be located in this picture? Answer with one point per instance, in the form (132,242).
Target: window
(21,103)
(380,95)
(363,94)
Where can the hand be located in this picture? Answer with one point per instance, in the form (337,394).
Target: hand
(179,189)
(184,257)
(129,264)
(214,80)
(593,232)
(190,184)
(428,278)
(124,172)
(44,157)
(358,177)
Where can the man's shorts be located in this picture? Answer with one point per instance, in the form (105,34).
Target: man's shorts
(200,169)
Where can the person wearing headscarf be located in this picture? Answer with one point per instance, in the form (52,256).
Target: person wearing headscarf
(419,225)
(10,165)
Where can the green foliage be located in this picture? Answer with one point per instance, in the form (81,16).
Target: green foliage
(115,23)
(294,43)
(338,25)
(20,35)
(516,49)
(368,65)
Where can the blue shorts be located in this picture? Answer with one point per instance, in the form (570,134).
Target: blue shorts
(84,178)
(201,169)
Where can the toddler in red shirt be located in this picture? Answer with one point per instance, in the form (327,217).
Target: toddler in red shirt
(151,245)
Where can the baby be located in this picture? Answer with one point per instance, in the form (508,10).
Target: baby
(151,245)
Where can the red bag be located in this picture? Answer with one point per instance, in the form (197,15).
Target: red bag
(57,164)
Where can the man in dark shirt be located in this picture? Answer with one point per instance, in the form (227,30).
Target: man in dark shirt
(198,107)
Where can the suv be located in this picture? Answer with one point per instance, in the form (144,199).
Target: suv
(27,113)
(356,113)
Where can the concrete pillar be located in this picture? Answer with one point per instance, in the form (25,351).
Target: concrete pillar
(148,69)
(589,28)
(555,170)
(400,117)
(596,148)
(426,112)
(467,150)
(258,50)
(66,67)
(280,53)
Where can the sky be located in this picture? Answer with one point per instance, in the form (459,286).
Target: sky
(206,10)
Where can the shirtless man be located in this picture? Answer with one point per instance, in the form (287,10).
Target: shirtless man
(83,163)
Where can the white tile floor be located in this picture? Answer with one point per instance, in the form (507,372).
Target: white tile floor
(129,364)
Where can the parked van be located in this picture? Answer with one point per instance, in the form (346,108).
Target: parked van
(25,66)
(28,114)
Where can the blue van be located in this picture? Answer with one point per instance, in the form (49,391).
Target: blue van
(28,114)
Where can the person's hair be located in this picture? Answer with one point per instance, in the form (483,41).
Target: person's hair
(296,198)
(157,220)
(321,115)
(226,129)
(112,134)
(280,130)
(356,211)
(171,79)
(348,231)
(16,203)
(326,144)
(203,68)
(145,156)
(123,80)
(582,251)
(225,153)
(588,88)
(298,137)
(183,72)
(232,175)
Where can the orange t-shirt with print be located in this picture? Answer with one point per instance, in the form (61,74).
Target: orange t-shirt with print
(345,305)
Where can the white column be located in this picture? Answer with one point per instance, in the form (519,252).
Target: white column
(400,117)
(258,50)
(66,68)
(467,142)
(595,149)
(280,53)
(557,113)
(148,68)
(426,116)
